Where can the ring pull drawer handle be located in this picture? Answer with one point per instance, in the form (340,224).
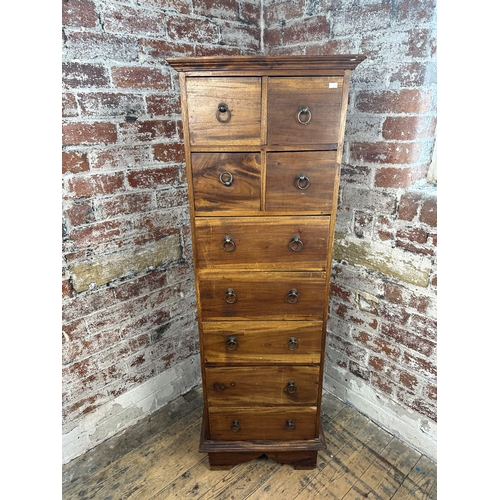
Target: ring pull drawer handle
(296,244)
(226,178)
(293,345)
(232,344)
(231,297)
(222,109)
(290,425)
(304,110)
(291,388)
(302,182)
(228,245)
(293,296)
(235,426)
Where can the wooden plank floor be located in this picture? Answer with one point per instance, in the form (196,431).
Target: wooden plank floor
(159,459)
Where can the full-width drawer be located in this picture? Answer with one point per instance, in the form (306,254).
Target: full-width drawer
(262,386)
(304,110)
(299,181)
(262,423)
(262,295)
(225,110)
(262,341)
(226,181)
(262,242)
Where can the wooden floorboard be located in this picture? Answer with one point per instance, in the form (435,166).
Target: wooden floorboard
(159,459)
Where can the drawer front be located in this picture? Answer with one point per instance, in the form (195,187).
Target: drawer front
(270,242)
(210,124)
(285,424)
(318,124)
(301,181)
(262,341)
(292,296)
(262,386)
(226,181)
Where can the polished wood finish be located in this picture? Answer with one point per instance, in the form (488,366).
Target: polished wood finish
(241,65)
(263,141)
(242,97)
(316,196)
(262,342)
(267,386)
(261,295)
(273,243)
(242,169)
(287,423)
(323,98)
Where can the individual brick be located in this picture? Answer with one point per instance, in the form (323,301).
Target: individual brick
(394,101)
(133,21)
(386,152)
(74,162)
(83,75)
(79,13)
(140,77)
(95,185)
(152,177)
(89,133)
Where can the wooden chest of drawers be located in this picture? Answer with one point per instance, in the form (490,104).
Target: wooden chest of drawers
(263,140)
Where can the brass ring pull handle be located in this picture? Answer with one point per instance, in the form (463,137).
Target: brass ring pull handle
(293,345)
(226,178)
(302,182)
(290,425)
(231,296)
(228,245)
(231,344)
(291,388)
(293,296)
(304,110)
(296,244)
(235,426)
(223,109)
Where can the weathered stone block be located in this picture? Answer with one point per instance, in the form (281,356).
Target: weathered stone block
(110,267)
(393,262)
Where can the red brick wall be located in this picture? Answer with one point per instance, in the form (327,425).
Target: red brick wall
(127,281)
(382,335)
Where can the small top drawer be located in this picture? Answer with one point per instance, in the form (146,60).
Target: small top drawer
(302,181)
(226,181)
(304,110)
(224,110)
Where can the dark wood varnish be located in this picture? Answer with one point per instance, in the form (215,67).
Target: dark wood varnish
(323,97)
(263,141)
(271,385)
(262,342)
(321,172)
(243,99)
(286,423)
(243,170)
(293,296)
(263,243)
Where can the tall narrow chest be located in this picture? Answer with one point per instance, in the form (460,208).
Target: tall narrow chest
(263,141)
